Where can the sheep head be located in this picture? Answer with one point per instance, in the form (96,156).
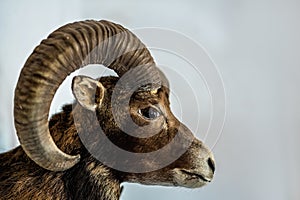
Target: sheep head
(131,111)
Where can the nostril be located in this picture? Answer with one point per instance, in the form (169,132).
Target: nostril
(211,164)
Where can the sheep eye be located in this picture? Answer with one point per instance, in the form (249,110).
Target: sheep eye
(149,113)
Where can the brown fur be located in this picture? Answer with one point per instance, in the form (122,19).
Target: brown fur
(21,178)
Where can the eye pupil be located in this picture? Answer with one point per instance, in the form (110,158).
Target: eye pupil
(150,113)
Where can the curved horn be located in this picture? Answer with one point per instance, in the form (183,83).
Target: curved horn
(65,50)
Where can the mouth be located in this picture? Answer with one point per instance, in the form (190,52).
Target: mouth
(196,176)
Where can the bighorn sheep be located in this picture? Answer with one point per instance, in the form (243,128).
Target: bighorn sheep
(53,162)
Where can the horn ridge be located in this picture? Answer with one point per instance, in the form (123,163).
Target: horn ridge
(67,49)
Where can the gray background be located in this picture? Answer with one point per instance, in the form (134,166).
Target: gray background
(255,45)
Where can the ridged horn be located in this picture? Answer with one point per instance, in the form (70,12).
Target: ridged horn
(65,50)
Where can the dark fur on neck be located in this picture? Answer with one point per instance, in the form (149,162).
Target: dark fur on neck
(87,180)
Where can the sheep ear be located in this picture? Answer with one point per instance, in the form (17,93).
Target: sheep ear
(88,92)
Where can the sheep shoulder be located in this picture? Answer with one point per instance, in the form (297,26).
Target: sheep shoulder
(21,178)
